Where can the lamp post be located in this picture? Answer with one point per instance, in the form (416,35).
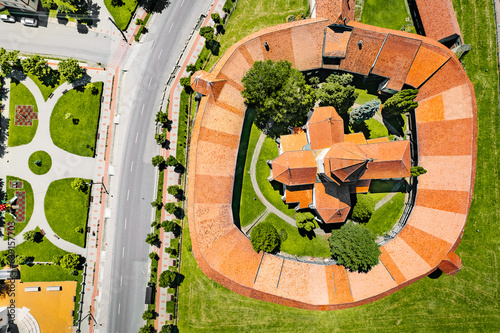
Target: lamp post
(99,183)
(91,316)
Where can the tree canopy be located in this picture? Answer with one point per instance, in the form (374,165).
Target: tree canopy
(354,247)
(167,279)
(7,61)
(306,221)
(363,209)
(265,238)
(279,92)
(400,102)
(35,65)
(70,261)
(70,70)
(338,92)
(417,171)
(364,112)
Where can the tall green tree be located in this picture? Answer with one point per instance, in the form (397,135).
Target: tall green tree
(354,247)
(70,261)
(306,221)
(70,70)
(35,65)
(7,61)
(265,238)
(400,102)
(363,209)
(279,92)
(338,92)
(364,112)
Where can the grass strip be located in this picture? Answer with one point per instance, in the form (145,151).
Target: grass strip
(122,14)
(182,128)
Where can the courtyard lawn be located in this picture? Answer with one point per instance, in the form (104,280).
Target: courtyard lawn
(122,14)
(389,14)
(30,203)
(43,251)
(466,302)
(364,97)
(386,216)
(20,95)
(272,191)
(253,15)
(48,84)
(371,129)
(250,207)
(66,209)
(300,245)
(77,133)
(45,162)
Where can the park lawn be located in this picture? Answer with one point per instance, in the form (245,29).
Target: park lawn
(371,129)
(30,203)
(250,206)
(66,209)
(428,305)
(182,130)
(42,273)
(254,15)
(77,134)
(270,190)
(20,95)
(122,14)
(48,84)
(300,245)
(389,14)
(385,217)
(45,160)
(43,251)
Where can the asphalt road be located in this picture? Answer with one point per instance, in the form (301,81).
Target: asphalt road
(138,105)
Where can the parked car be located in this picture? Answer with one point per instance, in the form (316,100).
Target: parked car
(29,21)
(8,18)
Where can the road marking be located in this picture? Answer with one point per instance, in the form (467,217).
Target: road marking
(125,224)
(121,280)
(142,109)
(159,55)
(136,137)
(182,3)
(171,25)
(131,167)
(119,308)
(123,252)
(150,81)
(128,192)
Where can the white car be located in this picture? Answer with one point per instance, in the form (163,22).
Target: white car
(8,18)
(29,21)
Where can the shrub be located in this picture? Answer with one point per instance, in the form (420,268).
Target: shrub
(79,184)
(157,203)
(170,328)
(354,247)
(171,207)
(417,171)
(216,18)
(174,190)
(185,81)
(79,230)
(153,256)
(306,221)
(265,238)
(170,307)
(70,261)
(56,260)
(171,161)
(364,112)
(171,251)
(363,209)
(191,68)
(92,87)
(30,236)
(283,235)
(70,70)
(152,238)
(148,314)
(148,328)
(167,279)
(157,160)
(21,260)
(400,102)
(208,33)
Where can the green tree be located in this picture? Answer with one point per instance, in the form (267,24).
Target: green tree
(79,230)
(191,68)
(154,256)
(185,81)
(265,238)
(56,260)
(162,118)
(174,190)
(79,184)
(208,33)
(279,92)
(171,207)
(35,65)
(167,279)
(148,314)
(216,18)
(171,251)
(7,61)
(417,171)
(354,247)
(158,160)
(363,209)
(152,238)
(21,260)
(148,328)
(171,226)
(30,236)
(171,161)
(363,112)
(338,92)
(65,6)
(92,87)
(157,203)
(161,138)
(70,261)
(400,102)
(170,328)
(306,221)
(70,70)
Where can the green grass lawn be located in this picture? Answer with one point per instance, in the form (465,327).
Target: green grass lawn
(270,190)
(297,244)
(48,84)
(250,207)
(384,218)
(253,15)
(389,14)
(41,273)
(122,14)
(364,97)
(20,95)
(466,302)
(182,130)
(66,209)
(371,129)
(43,158)
(77,134)
(30,203)
(43,251)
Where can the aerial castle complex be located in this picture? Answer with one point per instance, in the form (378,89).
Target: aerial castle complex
(443,141)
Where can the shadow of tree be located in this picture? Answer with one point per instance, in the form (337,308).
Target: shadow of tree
(155,6)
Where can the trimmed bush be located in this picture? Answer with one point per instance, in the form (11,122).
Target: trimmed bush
(363,209)
(265,238)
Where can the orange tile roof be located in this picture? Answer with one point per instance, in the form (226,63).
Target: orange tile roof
(428,60)
(438,18)
(325,128)
(301,194)
(360,59)
(344,158)
(332,201)
(293,142)
(336,43)
(335,10)
(390,160)
(357,138)
(295,168)
(207,84)
(378,140)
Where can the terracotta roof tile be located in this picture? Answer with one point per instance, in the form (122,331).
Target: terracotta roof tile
(310,38)
(431,109)
(390,160)
(438,18)
(357,138)
(450,75)
(301,194)
(335,10)
(207,84)
(325,128)
(442,199)
(455,137)
(207,193)
(430,248)
(378,140)
(293,142)
(218,137)
(332,201)
(446,173)
(362,186)
(295,168)
(280,46)
(222,120)
(236,66)
(360,60)
(395,59)
(376,281)
(343,159)
(458,103)
(294,282)
(406,259)
(428,60)
(335,43)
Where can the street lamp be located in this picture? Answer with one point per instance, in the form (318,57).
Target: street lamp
(78,330)
(99,183)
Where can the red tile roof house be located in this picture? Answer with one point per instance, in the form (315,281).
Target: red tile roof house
(331,164)
(445,122)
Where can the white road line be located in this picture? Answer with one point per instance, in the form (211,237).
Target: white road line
(142,109)
(121,280)
(182,3)
(172,24)
(159,55)
(150,81)
(119,308)
(125,224)
(123,252)
(131,166)
(128,192)
(136,137)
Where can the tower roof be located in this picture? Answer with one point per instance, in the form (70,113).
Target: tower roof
(332,202)
(325,127)
(295,168)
